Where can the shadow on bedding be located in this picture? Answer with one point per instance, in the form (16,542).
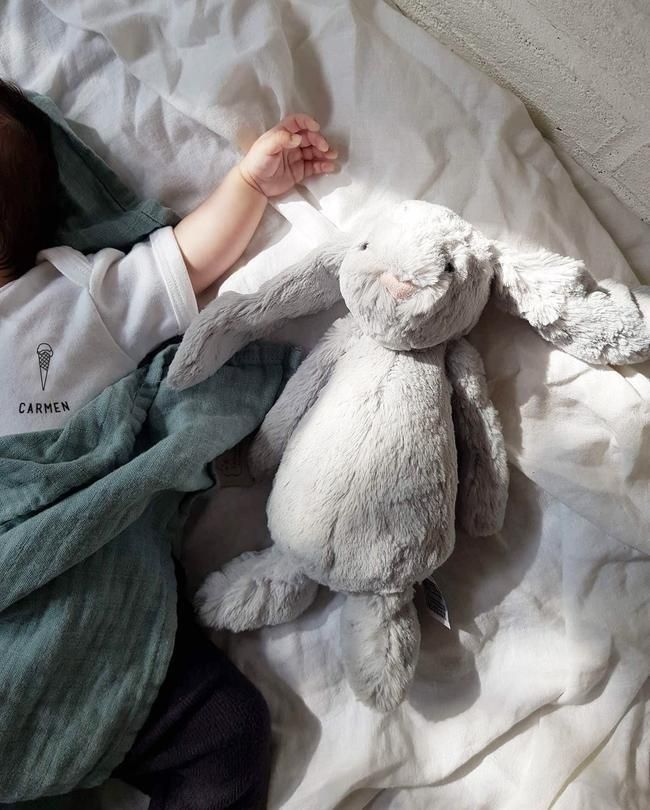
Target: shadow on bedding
(475,580)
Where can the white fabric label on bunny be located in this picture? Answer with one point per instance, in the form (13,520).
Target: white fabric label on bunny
(435,601)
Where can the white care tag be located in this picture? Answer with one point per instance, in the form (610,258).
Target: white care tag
(232,467)
(435,601)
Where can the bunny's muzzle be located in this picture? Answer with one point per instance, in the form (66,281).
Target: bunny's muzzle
(400,290)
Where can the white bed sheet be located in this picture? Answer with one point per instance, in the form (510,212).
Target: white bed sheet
(538,695)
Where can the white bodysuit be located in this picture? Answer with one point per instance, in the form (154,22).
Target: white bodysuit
(75,324)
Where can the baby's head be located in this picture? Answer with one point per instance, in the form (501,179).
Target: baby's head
(28,182)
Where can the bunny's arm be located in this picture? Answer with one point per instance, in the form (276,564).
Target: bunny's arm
(299,395)
(482,463)
(234,319)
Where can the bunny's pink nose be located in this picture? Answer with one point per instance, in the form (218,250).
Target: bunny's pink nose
(400,290)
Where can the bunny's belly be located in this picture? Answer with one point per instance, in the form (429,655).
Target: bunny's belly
(364,498)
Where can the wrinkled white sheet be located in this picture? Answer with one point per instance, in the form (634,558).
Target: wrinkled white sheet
(538,695)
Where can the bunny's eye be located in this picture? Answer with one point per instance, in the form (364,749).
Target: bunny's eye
(449,267)
(363,246)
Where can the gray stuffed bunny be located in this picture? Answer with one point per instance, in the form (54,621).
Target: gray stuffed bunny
(386,436)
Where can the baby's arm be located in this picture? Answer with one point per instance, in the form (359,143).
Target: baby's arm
(216,233)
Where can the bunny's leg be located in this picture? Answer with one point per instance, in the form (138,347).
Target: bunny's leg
(380,637)
(254,590)
(298,396)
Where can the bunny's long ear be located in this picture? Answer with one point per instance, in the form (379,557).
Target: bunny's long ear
(233,319)
(599,322)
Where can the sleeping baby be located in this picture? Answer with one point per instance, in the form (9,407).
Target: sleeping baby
(71,325)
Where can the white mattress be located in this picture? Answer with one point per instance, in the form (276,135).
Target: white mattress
(538,695)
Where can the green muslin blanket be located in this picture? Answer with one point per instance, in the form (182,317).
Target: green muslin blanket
(96,208)
(88,597)
(87,517)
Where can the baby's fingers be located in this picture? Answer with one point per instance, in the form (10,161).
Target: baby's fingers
(314,139)
(314,167)
(307,128)
(312,153)
(299,121)
(275,140)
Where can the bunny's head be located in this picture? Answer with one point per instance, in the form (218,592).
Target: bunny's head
(421,276)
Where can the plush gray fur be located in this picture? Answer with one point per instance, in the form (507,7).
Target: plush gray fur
(380,642)
(482,465)
(299,395)
(385,437)
(254,590)
(220,331)
(602,322)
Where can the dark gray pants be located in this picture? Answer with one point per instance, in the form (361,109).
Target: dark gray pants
(206,742)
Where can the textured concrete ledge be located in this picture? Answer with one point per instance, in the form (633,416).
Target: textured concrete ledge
(582,67)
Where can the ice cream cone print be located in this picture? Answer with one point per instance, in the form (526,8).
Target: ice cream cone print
(44,352)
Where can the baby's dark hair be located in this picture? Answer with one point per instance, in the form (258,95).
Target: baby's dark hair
(28,182)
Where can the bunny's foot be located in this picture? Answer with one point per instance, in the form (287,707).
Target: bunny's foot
(254,590)
(380,636)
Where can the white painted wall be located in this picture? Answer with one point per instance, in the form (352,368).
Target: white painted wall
(582,67)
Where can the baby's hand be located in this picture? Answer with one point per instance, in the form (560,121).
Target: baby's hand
(282,157)
(287,154)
